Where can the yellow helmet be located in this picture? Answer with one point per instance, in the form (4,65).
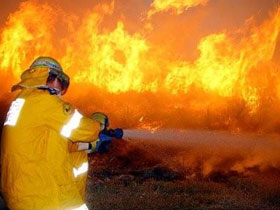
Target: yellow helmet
(39,71)
(101,118)
(46,62)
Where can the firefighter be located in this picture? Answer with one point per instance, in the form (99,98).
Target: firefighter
(36,172)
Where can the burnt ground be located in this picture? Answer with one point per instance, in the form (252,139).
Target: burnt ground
(235,193)
(131,177)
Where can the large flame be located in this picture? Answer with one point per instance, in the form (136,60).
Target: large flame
(231,83)
(25,36)
(150,68)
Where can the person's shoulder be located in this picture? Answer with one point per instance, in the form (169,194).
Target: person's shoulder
(45,102)
(56,104)
(59,104)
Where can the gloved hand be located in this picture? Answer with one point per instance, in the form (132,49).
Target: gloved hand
(103,143)
(115,133)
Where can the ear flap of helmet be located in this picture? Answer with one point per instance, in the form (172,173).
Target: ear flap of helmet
(34,77)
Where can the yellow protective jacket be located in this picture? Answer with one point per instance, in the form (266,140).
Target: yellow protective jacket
(36,173)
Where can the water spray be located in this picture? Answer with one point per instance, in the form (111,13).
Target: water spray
(206,151)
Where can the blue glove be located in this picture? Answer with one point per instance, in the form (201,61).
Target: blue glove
(118,133)
(103,144)
(114,133)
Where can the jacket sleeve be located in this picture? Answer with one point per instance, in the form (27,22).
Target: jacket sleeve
(73,146)
(70,123)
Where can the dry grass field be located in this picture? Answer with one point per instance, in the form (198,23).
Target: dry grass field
(132,178)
